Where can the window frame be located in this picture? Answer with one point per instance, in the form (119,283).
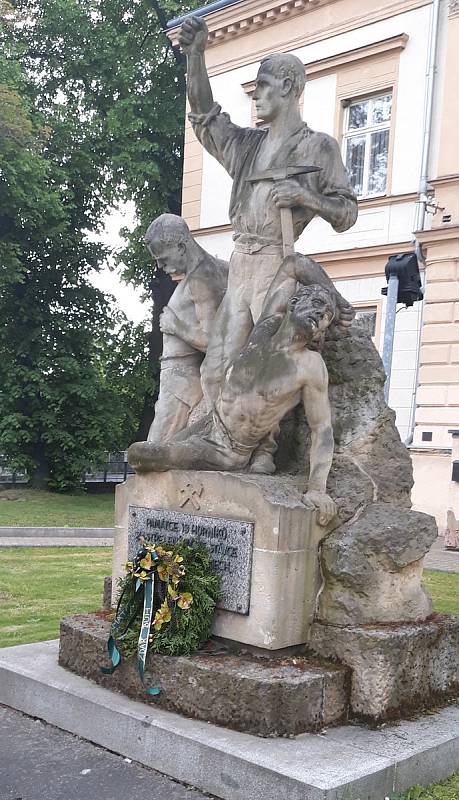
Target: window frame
(375,305)
(366,132)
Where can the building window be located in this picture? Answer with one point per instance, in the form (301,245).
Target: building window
(366,143)
(367,318)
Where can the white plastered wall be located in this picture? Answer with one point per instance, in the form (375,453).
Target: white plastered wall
(375,225)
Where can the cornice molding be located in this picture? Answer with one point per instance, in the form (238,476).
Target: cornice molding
(246,17)
(387,200)
(445,180)
(211,230)
(359,253)
(447,232)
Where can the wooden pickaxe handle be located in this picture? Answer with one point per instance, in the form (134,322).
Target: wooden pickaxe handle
(288,238)
(286,214)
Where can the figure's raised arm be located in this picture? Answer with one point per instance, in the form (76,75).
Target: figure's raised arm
(318,415)
(192,38)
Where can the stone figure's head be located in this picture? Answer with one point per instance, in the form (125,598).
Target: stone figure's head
(167,240)
(311,310)
(280,80)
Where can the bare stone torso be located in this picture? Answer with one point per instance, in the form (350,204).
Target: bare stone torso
(260,387)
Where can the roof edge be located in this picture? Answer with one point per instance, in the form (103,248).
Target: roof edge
(202,12)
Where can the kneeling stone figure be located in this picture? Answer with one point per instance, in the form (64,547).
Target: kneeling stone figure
(185,321)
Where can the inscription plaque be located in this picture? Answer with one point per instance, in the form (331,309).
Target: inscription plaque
(228,541)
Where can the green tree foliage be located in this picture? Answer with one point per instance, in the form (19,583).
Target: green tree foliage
(55,414)
(123,79)
(104,102)
(129,375)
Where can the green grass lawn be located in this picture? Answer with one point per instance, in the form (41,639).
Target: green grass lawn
(443,587)
(30,507)
(446,790)
(40,585)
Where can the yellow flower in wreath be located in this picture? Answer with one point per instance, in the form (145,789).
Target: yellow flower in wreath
(172,593)
(162,571)
(146,563)
(142,575)
(162,616)
(185,600)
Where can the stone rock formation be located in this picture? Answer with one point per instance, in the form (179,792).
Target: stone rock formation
(372,560)
(372,567)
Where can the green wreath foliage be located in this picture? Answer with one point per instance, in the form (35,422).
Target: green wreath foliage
(188,628)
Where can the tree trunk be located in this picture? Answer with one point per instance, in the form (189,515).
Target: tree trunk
(40,477)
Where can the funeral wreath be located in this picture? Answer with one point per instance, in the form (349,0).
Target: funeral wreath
(166,602)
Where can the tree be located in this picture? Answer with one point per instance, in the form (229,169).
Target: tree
(112,90)
(55,409)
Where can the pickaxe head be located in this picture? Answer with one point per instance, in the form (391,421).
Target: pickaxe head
(281,173)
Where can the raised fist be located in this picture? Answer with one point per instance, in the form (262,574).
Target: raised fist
(193,35)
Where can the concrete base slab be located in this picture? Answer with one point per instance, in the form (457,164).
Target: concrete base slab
(345,764)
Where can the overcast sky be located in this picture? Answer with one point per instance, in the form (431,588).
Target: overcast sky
(107,280)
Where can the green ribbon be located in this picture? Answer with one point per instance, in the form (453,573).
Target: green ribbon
(142,648)
(129,613)
(122,622)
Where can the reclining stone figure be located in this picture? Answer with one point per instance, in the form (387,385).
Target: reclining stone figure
(274,371)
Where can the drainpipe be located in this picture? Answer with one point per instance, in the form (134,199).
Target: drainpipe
(421,203)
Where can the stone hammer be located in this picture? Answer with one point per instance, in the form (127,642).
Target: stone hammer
(286,215)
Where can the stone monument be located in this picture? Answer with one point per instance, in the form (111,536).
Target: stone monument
(294,476)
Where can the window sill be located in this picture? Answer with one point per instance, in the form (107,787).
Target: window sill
(385,199)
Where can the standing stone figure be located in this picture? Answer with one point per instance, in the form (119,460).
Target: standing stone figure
(255,206)
(185,322)
(278,368)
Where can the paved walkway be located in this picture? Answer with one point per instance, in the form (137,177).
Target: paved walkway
(441,559)
(438,558)
(53,541)
(40,762)
(56,537)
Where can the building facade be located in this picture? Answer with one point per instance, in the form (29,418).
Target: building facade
(383,79)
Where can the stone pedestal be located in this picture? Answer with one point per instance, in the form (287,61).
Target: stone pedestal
(284,570)
(265,696)
(395,668)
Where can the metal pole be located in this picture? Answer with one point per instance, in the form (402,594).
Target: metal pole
(389,328)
